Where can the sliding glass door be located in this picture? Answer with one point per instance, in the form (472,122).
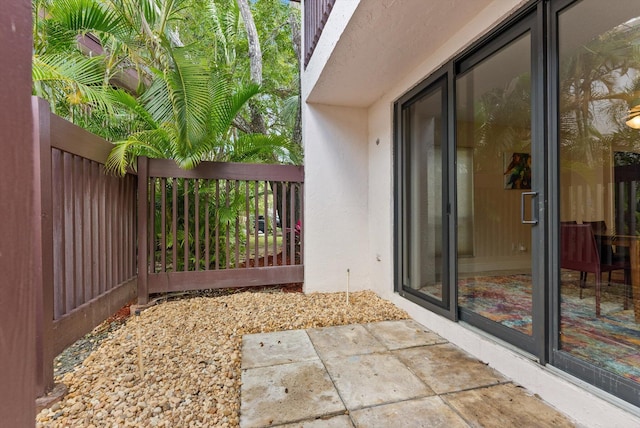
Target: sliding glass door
(518,189)
(421,217)
(498,183)
(598,85)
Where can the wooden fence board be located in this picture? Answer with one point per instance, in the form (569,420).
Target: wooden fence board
(224,278)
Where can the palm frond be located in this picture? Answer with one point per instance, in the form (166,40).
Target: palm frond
(86,15)
(227,103)
(259,148)
(190,95)
(76,77)
(156,100)
(145,143)
(130,102)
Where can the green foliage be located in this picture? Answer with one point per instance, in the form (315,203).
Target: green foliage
(192,68)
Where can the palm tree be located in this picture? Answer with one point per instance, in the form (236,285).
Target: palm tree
(189,111)
(182,108)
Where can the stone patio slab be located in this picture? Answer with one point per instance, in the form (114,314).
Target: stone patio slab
(371,379)
(344,340)
(341,421)
(505,405)
(287,393)
(429,412)
(267,349)
(446,368)
(403,334)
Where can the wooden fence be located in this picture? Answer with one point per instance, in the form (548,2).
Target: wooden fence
(218,225)
(88,239)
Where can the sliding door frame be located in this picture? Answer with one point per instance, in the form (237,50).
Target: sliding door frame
(603,379)
(446,307)
(531,20)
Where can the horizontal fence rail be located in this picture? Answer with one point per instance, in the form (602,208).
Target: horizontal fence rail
(88,236)
(218,225)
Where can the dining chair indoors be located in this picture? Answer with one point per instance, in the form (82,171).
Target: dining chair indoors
(580,251)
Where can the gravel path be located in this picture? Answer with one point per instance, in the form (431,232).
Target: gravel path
(178,363)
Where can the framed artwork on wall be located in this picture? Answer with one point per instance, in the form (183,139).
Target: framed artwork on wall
(517,171)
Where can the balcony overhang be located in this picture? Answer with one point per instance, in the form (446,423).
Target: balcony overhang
(367,46)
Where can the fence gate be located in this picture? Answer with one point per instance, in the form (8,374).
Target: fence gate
(218,225)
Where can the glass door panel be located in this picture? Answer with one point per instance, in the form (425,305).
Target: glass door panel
(599,177)
(423,130)
(494,181)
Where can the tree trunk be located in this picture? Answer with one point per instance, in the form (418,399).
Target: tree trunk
(294,12)
(255,63)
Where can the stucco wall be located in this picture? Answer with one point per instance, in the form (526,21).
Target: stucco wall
(336,199)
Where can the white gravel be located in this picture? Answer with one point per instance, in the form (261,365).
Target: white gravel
(190,351)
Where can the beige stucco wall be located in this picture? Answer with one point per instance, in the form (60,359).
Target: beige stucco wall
(336,199)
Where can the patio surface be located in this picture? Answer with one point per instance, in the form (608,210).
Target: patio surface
(384,374)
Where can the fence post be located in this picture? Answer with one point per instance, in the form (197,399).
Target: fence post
(18,263)
(143,209)
(44,290)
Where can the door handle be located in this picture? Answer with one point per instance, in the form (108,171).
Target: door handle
(522,195)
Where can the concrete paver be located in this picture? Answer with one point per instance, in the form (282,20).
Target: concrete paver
(445,368)
(402,334)
(344,340)
(371,379)
(505,405)
(287,393)
(340,421)
(268,349)
(429,412)
(388,374)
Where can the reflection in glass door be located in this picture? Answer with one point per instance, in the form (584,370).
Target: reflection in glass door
(494,188)
(599,189)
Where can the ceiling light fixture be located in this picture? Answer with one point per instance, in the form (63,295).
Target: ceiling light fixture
(633,119)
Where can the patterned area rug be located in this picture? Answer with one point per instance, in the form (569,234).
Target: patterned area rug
(504,299)
(611,341)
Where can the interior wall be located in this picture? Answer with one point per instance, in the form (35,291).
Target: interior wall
(587,189)
(500,240)
(336,234)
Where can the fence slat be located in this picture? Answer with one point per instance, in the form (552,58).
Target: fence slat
(174,224)
(217,225)
(196,216)
(163,224)
(274,193)
(285,224)
(292,216)
(87,257)
(152,225)
(247,228)
(143,231)
(186,226)
(207,231)
(266,223)
(237,226)
(57,181)
(228,202)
